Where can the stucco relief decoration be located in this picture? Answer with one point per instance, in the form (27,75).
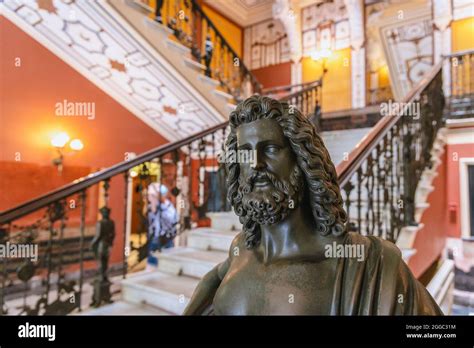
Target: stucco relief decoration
(375,54)
(375,57)
(411,47)
(325,26)
(86,36)
(266,44)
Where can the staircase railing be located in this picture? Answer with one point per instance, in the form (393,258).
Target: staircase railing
(193,28)
(379,177)
(286,89)
(187,167)
(307,99)
(461,100)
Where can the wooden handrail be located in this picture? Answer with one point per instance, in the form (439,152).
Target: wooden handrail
(285,87)
(458,54)
(348,168)
(310,87)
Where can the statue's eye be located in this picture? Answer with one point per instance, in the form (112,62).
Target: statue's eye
(272,149)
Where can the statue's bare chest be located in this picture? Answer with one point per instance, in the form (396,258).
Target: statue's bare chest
(281,288)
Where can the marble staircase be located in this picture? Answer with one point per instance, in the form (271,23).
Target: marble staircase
(167,289)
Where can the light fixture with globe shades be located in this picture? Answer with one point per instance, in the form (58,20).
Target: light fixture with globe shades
(59,142)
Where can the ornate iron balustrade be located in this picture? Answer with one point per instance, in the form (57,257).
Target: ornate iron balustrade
(462,85)
(380,177)
(287,89)
(307,99)
(193,28)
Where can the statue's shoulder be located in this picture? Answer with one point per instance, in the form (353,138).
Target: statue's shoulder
(237,242)
(384,263)
(377,248)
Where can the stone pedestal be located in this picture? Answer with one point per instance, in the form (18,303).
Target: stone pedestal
(102,293)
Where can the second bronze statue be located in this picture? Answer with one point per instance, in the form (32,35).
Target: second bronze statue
(295,255)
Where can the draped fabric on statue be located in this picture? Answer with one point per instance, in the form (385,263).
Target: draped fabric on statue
(381,284)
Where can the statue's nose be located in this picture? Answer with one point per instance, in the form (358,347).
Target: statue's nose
(259,163)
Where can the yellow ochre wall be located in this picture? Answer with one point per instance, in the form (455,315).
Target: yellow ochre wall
(337,81)
(462,35)
(231,32)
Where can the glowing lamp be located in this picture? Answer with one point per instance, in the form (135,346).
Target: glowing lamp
(76,145)
(60,140)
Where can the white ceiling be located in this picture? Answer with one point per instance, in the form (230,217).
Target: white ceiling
(249,12)
(244,12)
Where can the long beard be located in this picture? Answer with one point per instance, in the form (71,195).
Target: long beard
(273,204)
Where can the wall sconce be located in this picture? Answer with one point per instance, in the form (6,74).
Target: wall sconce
(59,141)
(322,55)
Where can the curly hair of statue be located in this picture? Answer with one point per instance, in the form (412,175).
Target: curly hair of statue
(312,159)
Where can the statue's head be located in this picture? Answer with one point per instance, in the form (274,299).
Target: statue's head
(105,212)
(292,169)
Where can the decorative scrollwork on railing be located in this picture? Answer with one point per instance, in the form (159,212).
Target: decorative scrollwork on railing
(307,100)
(40,250)
(379,190)
(461,101)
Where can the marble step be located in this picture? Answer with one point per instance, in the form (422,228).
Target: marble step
(231,107)
(407,235)
(210,81)
(167,292)
(181,49)
(163,29)
(407,254)
(225,221)
(191,63)
(189,261)
(211,239)
(145,9)
(224,95)
(125,308)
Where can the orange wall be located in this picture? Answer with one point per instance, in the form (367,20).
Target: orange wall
(455,152)
(274,75)
(462,34)
(337,81)
(29,95)
(439,222)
